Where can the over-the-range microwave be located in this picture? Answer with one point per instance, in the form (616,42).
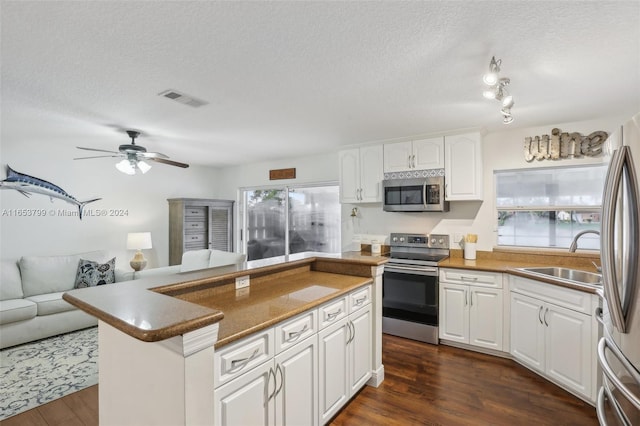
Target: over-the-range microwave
(415,195)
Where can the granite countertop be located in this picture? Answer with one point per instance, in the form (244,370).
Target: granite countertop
(271,300)
(140,309)
(511,262)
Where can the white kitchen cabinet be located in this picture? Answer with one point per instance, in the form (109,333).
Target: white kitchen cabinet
(296,392)
(414,155)
(554,340)
(359,348)
(244,401)
(463,167)
(471,308)
(345,354)
(278,392)
(302,370)
(361,174)
(334,369)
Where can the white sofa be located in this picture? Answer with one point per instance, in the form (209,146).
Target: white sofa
(31,289)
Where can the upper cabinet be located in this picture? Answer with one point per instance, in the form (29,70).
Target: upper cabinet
(361,175)
(414,155)
(463,167)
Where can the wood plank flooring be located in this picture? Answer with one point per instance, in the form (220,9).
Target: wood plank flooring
(424,385)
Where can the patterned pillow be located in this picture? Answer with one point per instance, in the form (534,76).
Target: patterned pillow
(91,274)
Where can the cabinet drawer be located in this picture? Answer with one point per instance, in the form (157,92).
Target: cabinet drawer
(191,213)
(295,330)
(332,312)
(359,299)
(193,238)
(575,300)
(195,226)
(238,358)
(477,278)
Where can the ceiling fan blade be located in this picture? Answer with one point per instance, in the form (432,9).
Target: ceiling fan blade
(169,162)
(151,155)
(99,150)
(98,156)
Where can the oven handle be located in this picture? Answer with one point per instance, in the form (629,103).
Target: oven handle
(432,272)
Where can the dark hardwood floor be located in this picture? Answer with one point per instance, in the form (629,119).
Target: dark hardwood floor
(424,385)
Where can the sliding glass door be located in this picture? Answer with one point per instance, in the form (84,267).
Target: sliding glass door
(287,220)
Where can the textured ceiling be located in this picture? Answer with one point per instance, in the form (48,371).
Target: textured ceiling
(287,79)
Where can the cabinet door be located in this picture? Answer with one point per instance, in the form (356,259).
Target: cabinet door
(360,349)
(568,348)
(463,167)
(454,312)
(485,318)
(296,399)
(397,157)
(245,400)
(333,372)
(349,175)
(371,174)
(527,331)
(429,153)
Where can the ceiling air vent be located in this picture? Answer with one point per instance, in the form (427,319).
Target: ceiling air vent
(182,98)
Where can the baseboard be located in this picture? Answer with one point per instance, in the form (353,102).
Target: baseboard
(377,377)
(476,349)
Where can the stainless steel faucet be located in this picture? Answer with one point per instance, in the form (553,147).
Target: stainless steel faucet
(574,243)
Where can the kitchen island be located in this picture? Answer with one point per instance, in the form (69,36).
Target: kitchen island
(167,344)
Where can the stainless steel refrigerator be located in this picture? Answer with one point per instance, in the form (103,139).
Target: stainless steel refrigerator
(618,401)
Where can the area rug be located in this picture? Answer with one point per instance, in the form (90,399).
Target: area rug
(39,372)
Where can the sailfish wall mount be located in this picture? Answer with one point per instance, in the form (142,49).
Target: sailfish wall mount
(563,145)
(26,185)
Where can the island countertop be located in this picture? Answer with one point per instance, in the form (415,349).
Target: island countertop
(161,307)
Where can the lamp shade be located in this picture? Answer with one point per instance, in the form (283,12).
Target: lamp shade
(139,240)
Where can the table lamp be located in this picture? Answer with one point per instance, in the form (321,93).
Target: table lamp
(138,241)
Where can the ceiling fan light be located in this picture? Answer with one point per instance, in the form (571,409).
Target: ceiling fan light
(144,167)
(126,167)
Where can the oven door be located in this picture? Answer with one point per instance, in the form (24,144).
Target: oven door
(410,293)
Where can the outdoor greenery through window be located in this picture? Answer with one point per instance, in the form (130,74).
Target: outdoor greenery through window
(548,207)
(289,220)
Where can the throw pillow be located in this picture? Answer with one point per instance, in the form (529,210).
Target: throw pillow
(91,274)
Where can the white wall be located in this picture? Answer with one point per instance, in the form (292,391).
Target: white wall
(143,198)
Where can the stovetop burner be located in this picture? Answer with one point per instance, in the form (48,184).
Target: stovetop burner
(425,249)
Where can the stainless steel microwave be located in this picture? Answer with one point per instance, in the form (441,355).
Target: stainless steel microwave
(415,195)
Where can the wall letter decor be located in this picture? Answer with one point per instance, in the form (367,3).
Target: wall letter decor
(563,145)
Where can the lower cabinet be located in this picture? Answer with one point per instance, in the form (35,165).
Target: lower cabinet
(471,308)
(278,392)
(554,340)
(345,360)
(312,374)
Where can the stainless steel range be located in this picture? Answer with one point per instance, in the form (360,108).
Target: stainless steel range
(410,286)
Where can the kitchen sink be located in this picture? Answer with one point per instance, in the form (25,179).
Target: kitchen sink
(566,274)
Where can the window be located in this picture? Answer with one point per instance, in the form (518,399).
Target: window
(548,207)
(289,220)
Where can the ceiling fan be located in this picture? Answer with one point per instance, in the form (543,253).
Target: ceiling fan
(133,156)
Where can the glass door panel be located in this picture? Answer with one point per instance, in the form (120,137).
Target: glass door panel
(314,219)
(266,223)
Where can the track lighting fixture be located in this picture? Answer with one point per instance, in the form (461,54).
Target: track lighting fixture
(498,89)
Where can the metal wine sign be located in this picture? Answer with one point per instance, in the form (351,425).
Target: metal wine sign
(563,145)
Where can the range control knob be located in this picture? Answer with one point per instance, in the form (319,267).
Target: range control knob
(394,239)
(433,241)
(441,241)
(402,239)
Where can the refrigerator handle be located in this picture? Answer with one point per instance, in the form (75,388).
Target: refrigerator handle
(611,375)
(633,206)
(609,277)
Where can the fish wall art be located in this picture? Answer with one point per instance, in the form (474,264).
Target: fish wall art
(26,185)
